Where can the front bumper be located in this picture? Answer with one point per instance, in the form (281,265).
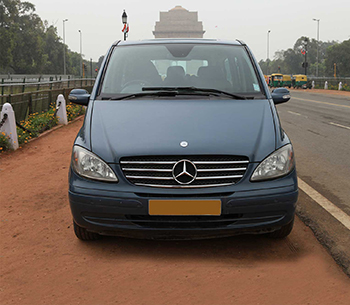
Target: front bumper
(126,213)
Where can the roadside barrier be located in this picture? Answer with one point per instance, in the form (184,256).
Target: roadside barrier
(8,126)
(8,121)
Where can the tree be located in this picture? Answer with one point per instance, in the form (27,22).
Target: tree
(21,37)
(290,61)
(338,54)
(53,50)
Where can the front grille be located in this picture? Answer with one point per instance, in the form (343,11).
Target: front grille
(157,171)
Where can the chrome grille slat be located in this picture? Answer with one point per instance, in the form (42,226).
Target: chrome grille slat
(219,177)
(219,162)
(184,186)
(157,171)
(221,169)
(149,177)
(148,162)
(147,170)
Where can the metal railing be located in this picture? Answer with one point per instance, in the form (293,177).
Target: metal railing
(21,87)
(334,82)
(44,94)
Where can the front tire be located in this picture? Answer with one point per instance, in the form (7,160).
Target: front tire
(283,231)
(84,234)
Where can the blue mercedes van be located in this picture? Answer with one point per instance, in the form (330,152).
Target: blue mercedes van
(181,139)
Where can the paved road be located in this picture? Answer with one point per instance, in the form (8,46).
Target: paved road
(42,262)
(319,127)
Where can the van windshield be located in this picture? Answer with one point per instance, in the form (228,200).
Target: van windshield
(133,68)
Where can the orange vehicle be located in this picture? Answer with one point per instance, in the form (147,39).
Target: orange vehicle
(266,78)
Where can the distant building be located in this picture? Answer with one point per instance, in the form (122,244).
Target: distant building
(178,23)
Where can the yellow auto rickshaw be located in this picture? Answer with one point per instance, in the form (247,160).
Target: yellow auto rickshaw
(287,81)
(299,81)
(276,80)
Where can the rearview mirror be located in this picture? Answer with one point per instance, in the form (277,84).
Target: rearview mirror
(79,96)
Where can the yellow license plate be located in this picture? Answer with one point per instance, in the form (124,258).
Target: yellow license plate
(184,207)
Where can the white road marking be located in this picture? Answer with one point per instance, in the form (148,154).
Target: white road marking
(335,124)
(332,104)
(296,113)
(337,213)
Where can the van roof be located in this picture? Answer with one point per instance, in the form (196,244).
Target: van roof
(179,40)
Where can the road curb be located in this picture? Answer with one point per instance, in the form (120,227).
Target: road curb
(319,221)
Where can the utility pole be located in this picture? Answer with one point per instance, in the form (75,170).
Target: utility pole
(64,48)
(268,51)
(318,41)
(81,56)
(305,64)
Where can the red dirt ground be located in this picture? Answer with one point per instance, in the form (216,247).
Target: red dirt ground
(42,262)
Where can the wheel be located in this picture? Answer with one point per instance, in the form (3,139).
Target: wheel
(85,235)
(282,232)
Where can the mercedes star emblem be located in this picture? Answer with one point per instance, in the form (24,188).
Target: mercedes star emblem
(183,144)
(184,172)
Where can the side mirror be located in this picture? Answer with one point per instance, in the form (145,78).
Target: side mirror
(79,96)
(280,98)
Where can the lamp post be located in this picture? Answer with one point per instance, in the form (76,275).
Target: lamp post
(318,38)
(268,55)
(125,21)
(81,57)
(64,48)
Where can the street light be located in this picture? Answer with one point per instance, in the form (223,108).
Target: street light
(64,48)
(268,55)
(81,57)
(318,38)
(125,21)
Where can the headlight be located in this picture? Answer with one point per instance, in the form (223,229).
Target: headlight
(279,163)
(286,96)
(88,165)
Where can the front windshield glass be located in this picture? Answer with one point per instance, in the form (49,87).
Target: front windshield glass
(222,67)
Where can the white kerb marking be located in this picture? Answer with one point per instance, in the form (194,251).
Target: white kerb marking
(342,126)
(296,113)
(332,209)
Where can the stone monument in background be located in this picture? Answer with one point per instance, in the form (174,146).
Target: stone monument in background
(178,23)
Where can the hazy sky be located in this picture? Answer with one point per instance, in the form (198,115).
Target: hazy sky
(100,21)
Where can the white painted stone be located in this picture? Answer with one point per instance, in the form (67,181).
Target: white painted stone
(9,127)
(61,113)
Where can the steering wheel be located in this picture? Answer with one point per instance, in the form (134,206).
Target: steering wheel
(140,82)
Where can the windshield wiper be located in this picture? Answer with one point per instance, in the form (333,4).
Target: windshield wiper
(193,90)
(140,94)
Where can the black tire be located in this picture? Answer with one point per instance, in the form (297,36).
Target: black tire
(85,235)
(282,232)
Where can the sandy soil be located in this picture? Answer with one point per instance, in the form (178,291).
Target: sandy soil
(42,262)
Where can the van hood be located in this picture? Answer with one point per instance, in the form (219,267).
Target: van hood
(157,127)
